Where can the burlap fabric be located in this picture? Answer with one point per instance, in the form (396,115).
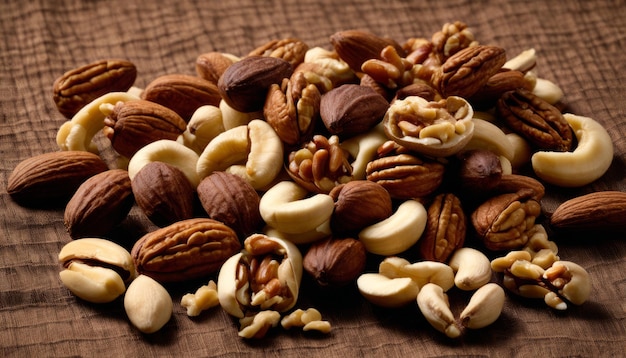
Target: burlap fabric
(580,46)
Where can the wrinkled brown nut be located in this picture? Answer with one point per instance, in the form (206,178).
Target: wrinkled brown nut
(211,65)
(52,178)
(418,89)
(134,124)
(602,210)
(511,183)
(163,193)
(403,174)
(533,118)
(292,108)
(352,109)
(290,49)
(467,71)
(445,228)
(320,164)
(480,170)
(77,87)
(452,38)
(182,93)
(99,204)
(358,204)
(185,250)
(232,200)
(245,83)
(505,221)
(356,46)
(391,70)
(335,262)
(437,129)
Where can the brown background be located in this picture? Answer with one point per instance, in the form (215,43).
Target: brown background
(580,46)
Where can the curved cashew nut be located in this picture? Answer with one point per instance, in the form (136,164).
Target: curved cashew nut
(256,142)
(285,208)
(166,151)
(488,136)
(205,124)
(77,133)
(434,305)
(387,292)
(363,148)
(484,307)
(472,267)
(303,238)
(398,232)
(588,162)
(422,272)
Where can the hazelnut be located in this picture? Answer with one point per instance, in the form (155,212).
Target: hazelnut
(358,204)
(479,170)
(335,262)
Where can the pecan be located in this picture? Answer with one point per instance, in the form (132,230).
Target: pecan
(134,124)
(290,50)
(445,228)
(185,250)
(535,119)
(320,164)
(498,84)
(505,222)
(75,88)
(467,71)
(405,175)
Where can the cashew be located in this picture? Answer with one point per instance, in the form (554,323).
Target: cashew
(547,90)
(285,208)
(148,305)
(422,272)
(363,148)
(166,151)
(92,283)
(398,232)
(77,133)
(387,292)
(434,305)
(205,124)
(522,151)
(589,161)
(472,268)
(490,137)
(307,237)
(204,298)
(523,62)
(232,118)
(484,307)
(257,326)
(255,143)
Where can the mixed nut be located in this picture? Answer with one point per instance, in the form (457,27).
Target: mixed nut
(316,161)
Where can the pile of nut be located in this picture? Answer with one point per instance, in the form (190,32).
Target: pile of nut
(292,160)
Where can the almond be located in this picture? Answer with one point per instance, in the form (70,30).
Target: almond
(182,93)
(602,210)
(99,204)
(50,179)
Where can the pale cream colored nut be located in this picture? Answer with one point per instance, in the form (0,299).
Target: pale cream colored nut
(266,275)
(523,62)
(166,151)
(590,159)
(526,270)
(309,320)
(253,152)
(327,64)
(522,152)
(501,264)
(204,298)
(303,238)
(387,292)
(421,272)
(78,133)
(438,129)
(286,207)
(148,305)
(232,118)
(205,124)
(257,326)
(488,136)
(363,149)
(568,280)
(547,90)
(96,269)
(484,307)
(319,326)
(434,305)
(543,251)
(472,268)
(398,232)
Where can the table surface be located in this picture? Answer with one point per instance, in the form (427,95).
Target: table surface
(580,46)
